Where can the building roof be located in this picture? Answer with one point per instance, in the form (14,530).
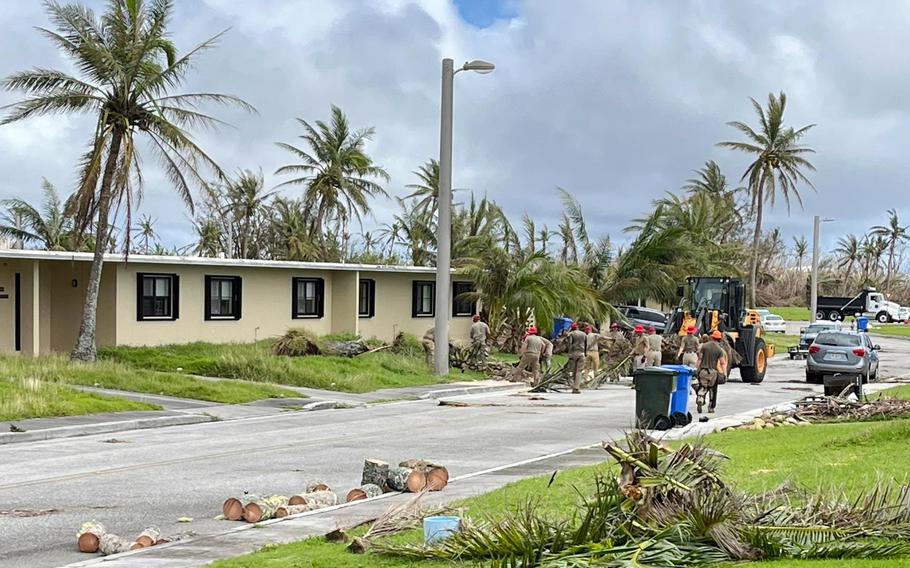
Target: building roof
(15,254)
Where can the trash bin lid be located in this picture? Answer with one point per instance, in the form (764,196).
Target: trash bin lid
(678,368)
(654,371)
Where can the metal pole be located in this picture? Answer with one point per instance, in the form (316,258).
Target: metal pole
(813,309)
(444,224)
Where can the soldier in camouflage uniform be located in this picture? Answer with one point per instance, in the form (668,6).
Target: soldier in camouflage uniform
(688,348)
(429,346)
(711,365)
(576,342)
(641,349)
(480,335)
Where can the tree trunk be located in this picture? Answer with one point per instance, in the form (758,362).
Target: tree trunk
(437,478)
(287,510)
(149,537)
(113,544)
(847,278)
(366,491)
(232,509)
(890,267)
(377,473)
(263,509)
(314,486)
(756,240)
(85,348)
(407,479)
(89,536)
(315,499)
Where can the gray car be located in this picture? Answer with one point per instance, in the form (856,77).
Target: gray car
(808,334)
(842,353)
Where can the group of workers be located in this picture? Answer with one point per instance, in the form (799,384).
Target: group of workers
(710,355)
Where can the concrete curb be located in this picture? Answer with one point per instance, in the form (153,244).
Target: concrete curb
(102,428)
(460,391)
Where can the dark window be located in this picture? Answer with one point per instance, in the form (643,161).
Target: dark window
(308,298)
(366,306)
(423,302)
(462,307)
(157,296)
(222,297)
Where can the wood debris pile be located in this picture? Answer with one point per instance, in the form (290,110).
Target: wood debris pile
(812,409)
(93,537)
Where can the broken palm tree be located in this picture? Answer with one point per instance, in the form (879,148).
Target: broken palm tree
(397,518)
(674,508)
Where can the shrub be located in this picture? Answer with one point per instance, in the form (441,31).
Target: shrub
(297,342)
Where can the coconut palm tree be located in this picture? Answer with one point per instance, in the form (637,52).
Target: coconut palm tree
(778,167)
(894,234)
(336,172)
(145,232)
(50,225)
(426,191)
(800,249)
(128,69)
(849,253)
(292,235)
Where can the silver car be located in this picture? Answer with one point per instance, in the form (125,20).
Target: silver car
(842,353)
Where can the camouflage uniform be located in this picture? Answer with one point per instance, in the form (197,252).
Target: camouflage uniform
(480,333)
(429,346)
(710,367)
(546,356)
(688,349)
(576,343)
(592,355)
(531,350)
(640,352)
(655,356)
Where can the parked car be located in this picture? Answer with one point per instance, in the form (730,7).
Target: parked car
(842,352)
(773,323)
(808,334)
(646,317)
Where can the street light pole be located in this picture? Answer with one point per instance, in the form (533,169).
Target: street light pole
(444,200)
(444,223)
(813,309)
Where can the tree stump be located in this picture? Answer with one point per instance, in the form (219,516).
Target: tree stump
(232,509)
(287,510)
(407,479)
(315,486)
(89,536)
(377,473)
(367,491)
(418,464)
(315,500)
(437,478)
(148,537)
(359,545)
(113,544)
(263,509)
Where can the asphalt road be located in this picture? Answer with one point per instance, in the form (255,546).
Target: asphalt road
(156,476)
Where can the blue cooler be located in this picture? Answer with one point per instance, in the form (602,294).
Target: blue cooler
(561,325)
(679,401)
(862,323)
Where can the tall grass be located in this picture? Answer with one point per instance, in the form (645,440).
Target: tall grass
(29,397)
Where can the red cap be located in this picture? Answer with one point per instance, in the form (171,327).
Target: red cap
(639,329)
(652,330)
(532,330)
(717,334)
(574,325)
(691,330)
(476,317)
(614,325)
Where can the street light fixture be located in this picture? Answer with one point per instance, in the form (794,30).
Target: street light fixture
(813,303)
(444,225)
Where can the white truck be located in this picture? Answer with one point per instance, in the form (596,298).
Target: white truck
(869,303)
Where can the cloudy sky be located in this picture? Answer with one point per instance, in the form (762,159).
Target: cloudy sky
(616,101)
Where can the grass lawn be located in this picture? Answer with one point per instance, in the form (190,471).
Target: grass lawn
(112,375)
(791,313)
(846,455)
(23,397)
(897,330)
(255,362)
(781,341)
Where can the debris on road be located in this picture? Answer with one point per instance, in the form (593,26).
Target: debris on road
(93,537)
(365,491)
(812,409)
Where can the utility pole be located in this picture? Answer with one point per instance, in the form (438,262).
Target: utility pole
(444,223)
(813,304)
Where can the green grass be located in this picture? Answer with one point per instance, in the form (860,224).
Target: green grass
(25,397)
(255,362)
(113,375)
(791,313)
(896,330)
(781,341)
(902,393)
(846,455)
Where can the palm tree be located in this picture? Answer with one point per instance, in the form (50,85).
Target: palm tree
(128,67)
(426,192)
(336,172)
(800,249)
(778,166)
(894,234)
(292,231)
(849,251)
(145,232)
(50,225)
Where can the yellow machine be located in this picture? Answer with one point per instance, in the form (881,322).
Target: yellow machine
(718,303)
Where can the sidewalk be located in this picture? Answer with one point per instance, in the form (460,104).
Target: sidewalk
(180,411)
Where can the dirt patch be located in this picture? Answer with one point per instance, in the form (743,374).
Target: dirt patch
(24,513)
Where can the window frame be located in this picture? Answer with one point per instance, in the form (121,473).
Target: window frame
(174,296)
(319,299)
(371,303)
(416,285)
(472,306)
(236,297)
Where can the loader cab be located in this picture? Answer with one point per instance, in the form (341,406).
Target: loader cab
(716,302)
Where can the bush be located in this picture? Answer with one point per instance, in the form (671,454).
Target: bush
(407,344)
(297,342)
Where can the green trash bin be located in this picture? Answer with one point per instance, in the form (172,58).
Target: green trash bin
(654,387)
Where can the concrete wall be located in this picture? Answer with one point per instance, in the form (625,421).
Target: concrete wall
(67,281)
(345,288)
(393,309)
(266,306)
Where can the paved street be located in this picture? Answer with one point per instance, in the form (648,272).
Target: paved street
(156,476)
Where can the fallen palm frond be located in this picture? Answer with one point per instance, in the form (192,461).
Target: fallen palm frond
(674,508)
(818,408)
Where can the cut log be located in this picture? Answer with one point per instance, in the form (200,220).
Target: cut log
(149,536)
(113,544)
(287,510)
(366,491)
(314,486)
(359,545)
(437,478)
(315,499)
(377,473)
(418,464)
(407,479)
(89,536)
(232,509)
(263,509)
(337,535)
(136,546)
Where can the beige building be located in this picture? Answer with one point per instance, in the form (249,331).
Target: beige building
(157,300)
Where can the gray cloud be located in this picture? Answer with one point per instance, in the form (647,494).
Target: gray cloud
(615,101)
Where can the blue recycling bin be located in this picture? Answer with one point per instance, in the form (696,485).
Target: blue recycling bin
(679,401)
(561,325)
(862,323)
